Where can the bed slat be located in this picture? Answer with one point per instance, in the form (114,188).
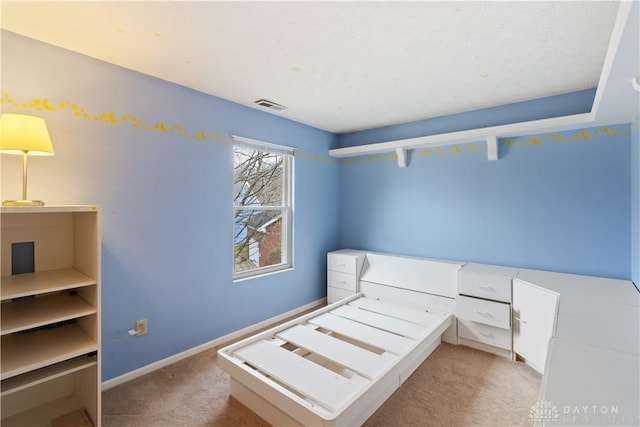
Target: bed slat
(380,321)
(357,359)
(421,317)
(329,389)
(378,338)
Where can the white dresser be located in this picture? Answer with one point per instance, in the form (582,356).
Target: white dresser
(343,272)
(484,308)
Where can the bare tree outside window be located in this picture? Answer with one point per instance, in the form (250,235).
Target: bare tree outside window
(260,185)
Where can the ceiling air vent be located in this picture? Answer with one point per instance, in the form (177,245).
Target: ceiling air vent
(269,104)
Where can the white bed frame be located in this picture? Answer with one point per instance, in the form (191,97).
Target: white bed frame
(337,365)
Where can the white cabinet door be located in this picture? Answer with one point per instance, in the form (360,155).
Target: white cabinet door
(534,314)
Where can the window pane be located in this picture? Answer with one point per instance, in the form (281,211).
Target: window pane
(262,183)
(258,238)
(258,178)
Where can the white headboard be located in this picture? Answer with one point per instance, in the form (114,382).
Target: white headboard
(426,275)
(420,282)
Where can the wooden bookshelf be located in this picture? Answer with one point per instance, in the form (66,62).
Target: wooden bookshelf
(50,328)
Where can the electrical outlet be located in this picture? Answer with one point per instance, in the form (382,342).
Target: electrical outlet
(141,327)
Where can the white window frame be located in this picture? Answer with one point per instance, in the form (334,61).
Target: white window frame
(287,207)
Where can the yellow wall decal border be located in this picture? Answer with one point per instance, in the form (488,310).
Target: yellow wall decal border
(46,105)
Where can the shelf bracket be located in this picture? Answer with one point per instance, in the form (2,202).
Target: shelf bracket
(401,153)
(492,147)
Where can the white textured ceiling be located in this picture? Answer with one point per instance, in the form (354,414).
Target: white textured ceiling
(341,66)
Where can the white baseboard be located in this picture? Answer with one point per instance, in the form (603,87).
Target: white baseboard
(121,379)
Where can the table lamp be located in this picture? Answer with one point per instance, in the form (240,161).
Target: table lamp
(26,135)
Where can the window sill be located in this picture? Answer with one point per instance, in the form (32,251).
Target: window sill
(260,275)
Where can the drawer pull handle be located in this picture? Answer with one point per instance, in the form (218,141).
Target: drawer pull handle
(483,313)
(342,281)
(486,334)
(487,288)
(520,320)
(342,265)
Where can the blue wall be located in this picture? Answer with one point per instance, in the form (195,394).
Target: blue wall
(166,198)
(635,202)
(557,202)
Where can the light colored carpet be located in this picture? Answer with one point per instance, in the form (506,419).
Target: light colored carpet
(460,386)
(455,386)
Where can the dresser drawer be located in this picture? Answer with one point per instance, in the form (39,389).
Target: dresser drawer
(342,263)
(486,334)
(342,281)
(483,311)
(490,286)
(336,294)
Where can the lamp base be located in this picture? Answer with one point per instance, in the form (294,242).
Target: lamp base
(23,203)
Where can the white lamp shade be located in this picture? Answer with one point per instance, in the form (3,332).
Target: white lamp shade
(20,133)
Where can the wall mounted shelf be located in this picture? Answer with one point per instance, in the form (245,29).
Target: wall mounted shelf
(489,134)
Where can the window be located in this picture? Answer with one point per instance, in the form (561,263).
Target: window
(262,207)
